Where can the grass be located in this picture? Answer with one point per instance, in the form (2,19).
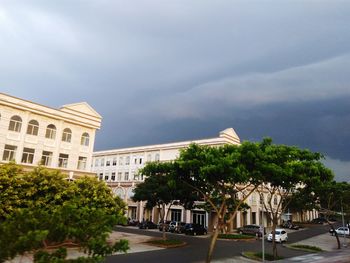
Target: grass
(258,256)
(307,248)
(235,236)
(168,243)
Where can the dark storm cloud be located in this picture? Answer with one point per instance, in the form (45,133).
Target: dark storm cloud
(172,70)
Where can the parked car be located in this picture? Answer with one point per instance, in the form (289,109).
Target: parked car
(181,228)
(176,227)
(147,225)
(290,225)
(254,230)
(340,231)
(133,222)
(166,225)
(195,229)
(280,235)
(319,220)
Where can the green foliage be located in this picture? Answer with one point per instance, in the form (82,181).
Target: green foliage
(235,236)
(307,248)
(41,210)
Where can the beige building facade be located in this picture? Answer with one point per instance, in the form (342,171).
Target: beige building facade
(33,134)
(119,169)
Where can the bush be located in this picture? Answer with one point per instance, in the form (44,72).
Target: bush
(258,256)
(40,210)
(235,236)
(307,247)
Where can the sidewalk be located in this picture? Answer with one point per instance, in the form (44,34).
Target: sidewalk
(325,241)
(136,244)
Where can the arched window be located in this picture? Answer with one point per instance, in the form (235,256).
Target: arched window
(50,131)
(33,127)
(85,139)
(67,135)
(15,124)
(119,192)
(275,201)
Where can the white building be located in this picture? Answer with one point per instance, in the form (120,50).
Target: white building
(32,134)
(119,168)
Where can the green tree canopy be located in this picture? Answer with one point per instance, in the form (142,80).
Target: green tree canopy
(41,210)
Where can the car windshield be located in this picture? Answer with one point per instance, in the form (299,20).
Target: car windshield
(277,232)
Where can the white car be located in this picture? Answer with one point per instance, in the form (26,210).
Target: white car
(341,231)
(280,235)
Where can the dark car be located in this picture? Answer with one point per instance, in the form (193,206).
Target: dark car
(290,225)
(147,225)
(176,227)
(254,230)
(166,225)
(319,220)
(133,222)
(195,229)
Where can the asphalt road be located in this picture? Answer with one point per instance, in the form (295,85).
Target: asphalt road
(197,247)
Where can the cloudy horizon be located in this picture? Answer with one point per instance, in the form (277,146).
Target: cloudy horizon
(161,71)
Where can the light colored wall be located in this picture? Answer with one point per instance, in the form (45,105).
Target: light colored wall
(39,143)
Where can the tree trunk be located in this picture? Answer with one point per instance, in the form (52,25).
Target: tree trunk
(213,242)
(335,233)
(274,245)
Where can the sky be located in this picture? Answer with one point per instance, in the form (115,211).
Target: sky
(162,71)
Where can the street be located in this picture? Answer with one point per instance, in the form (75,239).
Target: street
(197,247)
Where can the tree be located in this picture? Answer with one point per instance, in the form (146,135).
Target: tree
(41,210)
(219,175)
(160,190)
(286,170)
(333,197)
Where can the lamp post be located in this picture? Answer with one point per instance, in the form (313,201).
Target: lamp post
(263,228)
(342,217)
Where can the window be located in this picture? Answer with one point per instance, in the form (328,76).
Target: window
(119,192)
(82,163)
(120,160)
(96,162)
(140,161)
(63,160)
(127,160)
(108,163)
(107,176)
(114,161)
(100,176)
(15,124)
(67,135)
(119,176)
(85,139)
(176,215)
(50,131)
(9,152)
(135,161)
(46,158)
(102,162)
(28,155)
(113,177)
(126,176)
(33,128)
(275,200)
(157,157)
(136,176)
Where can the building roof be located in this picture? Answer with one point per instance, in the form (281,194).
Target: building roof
(79,113)
(227,136)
